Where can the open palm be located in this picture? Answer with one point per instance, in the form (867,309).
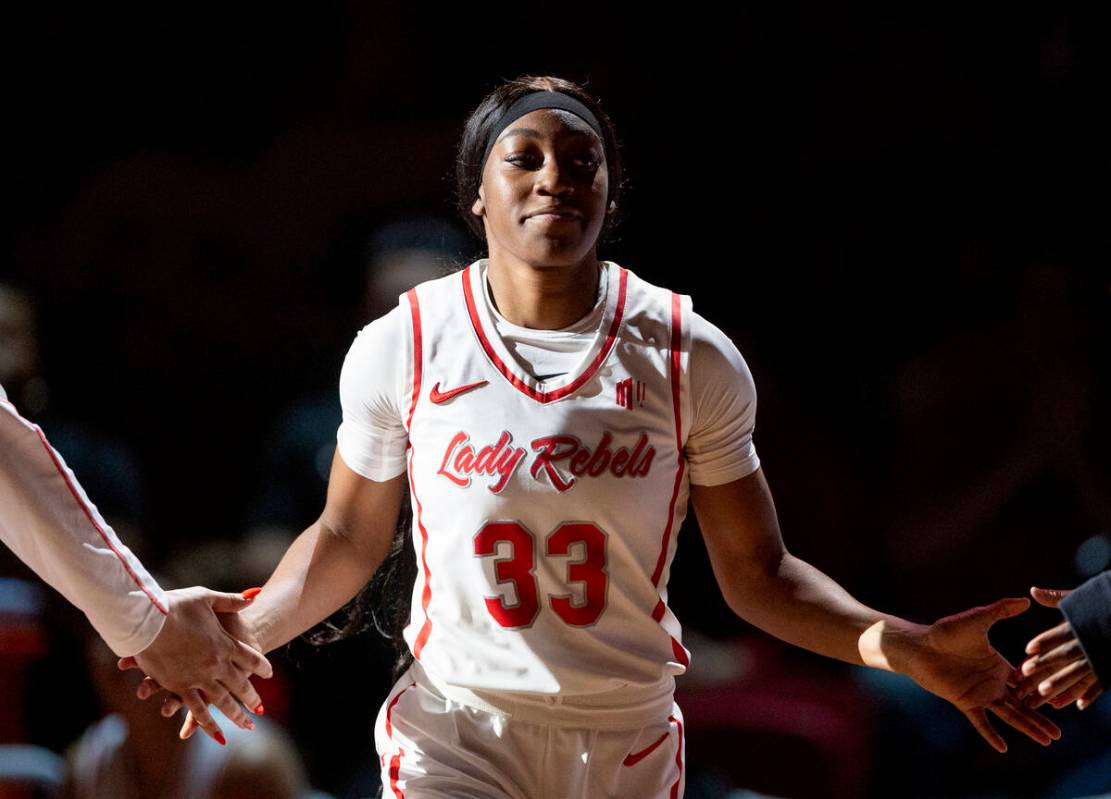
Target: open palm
(959,664)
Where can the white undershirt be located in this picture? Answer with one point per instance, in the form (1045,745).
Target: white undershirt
(552,352)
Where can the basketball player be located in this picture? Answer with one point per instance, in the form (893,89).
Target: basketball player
(552,414)
(47,520)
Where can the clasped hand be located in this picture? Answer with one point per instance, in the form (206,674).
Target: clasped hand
(203,654)
(1057,671)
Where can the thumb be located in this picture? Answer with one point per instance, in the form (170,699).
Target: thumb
(1006,608)
(232,603)
(1050,597)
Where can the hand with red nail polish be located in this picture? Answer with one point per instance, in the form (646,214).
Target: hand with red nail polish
(205,653)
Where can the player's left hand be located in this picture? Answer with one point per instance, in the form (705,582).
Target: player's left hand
(1058,671)
(956,661)
(204,653)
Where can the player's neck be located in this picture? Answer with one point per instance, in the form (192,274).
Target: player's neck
(543,297)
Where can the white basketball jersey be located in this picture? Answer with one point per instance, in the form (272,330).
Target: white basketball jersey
(545,514)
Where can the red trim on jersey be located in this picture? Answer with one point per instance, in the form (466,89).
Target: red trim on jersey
(516,382)
(426,594)
(678,758)
(389,708)
(677,649)
(395,772)
(676,376)
(86,510)
(636,757)
(414,308)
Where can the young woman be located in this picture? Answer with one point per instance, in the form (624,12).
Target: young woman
(552,414)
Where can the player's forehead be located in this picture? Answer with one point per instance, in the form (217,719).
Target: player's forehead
(548,125)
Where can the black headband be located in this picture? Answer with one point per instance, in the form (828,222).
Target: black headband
(533,101)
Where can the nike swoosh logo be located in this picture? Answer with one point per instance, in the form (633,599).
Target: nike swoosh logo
(439,397)
(636,757)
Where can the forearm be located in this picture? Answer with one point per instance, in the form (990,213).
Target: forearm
(319,573)
(796,602)
(51,525)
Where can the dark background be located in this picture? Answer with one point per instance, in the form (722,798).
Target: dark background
(899,217)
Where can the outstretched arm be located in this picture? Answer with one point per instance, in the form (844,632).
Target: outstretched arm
(321,571)
(789,598)
(51,524)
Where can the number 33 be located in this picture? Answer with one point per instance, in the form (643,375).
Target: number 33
(520,569)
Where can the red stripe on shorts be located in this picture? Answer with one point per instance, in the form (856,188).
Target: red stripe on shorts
(678,758)
(395,771)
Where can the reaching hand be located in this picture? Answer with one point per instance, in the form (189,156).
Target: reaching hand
(958,663)
(1058,671)
(199,660)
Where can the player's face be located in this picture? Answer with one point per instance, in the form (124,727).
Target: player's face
(548,159)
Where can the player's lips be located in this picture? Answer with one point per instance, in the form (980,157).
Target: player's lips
(563,214)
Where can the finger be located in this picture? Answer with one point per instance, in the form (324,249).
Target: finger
(219,696)
(1053,637)
(246,694)
(1050,597)
(1030,723)
(147,688)
(231,603)
(1073,694)
(251,661)
(127,663)
(1052,661)
(979,720)
(189,727)
(1091,695)
(171,705)
(202,717)
(1064,679)
(1006,608)
(1047,683)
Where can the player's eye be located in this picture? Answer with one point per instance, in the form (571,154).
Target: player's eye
(521,159)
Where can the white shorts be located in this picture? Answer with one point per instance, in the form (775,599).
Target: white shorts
(432,747)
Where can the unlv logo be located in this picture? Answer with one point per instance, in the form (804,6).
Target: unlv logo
(629,390)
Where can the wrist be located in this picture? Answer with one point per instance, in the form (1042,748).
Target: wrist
(254,619)
(892,644)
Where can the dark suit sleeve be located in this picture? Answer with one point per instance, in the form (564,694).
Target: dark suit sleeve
(1088,611)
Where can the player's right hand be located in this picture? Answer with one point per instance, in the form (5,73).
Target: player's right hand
(198,659)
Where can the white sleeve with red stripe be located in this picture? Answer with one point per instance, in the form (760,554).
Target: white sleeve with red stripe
(372,438)
(719,448)
(48,521)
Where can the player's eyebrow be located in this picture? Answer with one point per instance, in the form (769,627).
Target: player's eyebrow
(535,134)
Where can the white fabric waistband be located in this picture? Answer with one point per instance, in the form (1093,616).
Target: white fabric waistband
(628,707)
